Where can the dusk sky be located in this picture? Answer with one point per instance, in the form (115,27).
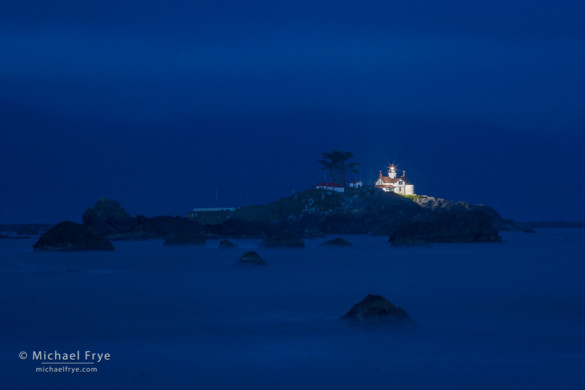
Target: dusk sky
(164,105)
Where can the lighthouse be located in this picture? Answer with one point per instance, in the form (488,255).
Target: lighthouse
(392,172)
(393,183)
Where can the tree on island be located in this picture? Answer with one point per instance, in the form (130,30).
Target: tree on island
(337,165)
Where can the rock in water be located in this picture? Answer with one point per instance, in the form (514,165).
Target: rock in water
(284,240)
(227,244)
(187,238)
(251,259)
(107,217)
(337,242)
(377,310)
(71,236)
(110,220)
(452,226)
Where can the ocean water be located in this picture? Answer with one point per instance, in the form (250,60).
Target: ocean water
(506,316)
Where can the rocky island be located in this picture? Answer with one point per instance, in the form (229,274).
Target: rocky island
(405,220)
(316,212)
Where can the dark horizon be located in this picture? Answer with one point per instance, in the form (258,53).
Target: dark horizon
(161,106)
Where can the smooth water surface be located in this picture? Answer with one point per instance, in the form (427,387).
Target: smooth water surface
(509,315)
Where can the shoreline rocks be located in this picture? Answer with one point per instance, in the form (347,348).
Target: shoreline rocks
(447,227)
(71,236)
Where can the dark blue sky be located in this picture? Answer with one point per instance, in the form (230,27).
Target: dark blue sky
(161,104)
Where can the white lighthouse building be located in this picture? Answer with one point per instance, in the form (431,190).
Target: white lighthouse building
(393,183)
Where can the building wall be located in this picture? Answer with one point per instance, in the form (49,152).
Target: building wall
(337,189)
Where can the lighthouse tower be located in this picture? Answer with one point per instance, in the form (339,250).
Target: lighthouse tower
(392,172)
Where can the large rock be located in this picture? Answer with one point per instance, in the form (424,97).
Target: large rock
(107,217)
(251,259)
(357,211)
(451,226)
(444,205)
(377,310)
(71,236)
(284,241)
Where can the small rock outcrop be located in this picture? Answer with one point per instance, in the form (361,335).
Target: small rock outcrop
(337,242)
(451,226)
(227,244)
(377,310)
(71,236)
(284,241)
(186,238)
(251,259)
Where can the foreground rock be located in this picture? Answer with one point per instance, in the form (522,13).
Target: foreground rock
(454,226)
(188,238)
(71,236)
(284,241)
(251,259)
(227,244)
(376,310)
(337,242)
